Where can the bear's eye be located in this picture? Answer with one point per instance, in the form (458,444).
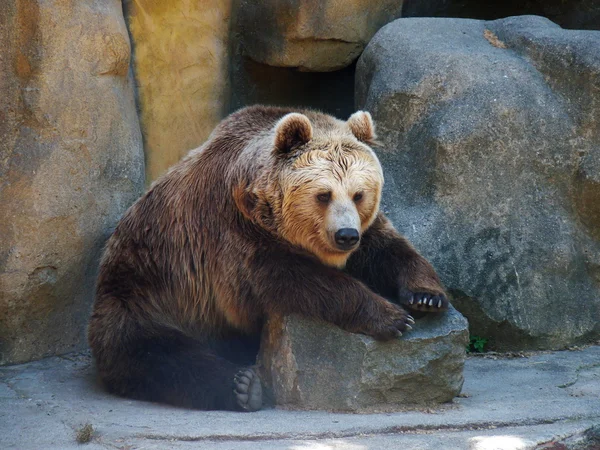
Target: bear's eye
(358,196)
(324,197)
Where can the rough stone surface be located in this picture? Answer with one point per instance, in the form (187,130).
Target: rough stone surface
(576,14)
(587,440)
(181,62)
(252,83)
(71,162)
(492,167)
(311,35)
(507,404)
(310,364)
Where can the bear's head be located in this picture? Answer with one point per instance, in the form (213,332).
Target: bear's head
(322,186)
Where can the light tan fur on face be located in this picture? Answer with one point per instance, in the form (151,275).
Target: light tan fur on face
(343,167)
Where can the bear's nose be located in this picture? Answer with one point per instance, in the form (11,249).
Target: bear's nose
(346,238)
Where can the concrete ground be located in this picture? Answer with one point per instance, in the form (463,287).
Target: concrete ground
(545,400)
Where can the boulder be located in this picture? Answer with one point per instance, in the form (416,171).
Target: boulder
(181,65)
(492,167)
(308,364)
(71,162)
(317,36)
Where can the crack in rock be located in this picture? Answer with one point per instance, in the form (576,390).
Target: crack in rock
(403,429)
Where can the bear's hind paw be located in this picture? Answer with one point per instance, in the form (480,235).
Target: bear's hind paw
(248,390)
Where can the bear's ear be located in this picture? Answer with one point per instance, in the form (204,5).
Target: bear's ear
(362,127)
(291,131)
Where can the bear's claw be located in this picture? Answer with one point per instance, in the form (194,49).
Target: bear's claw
(423,301)
(248,390)
(392,322)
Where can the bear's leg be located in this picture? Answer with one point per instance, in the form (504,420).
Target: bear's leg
(285,282)
(239,348)
(172,368)
(389,265)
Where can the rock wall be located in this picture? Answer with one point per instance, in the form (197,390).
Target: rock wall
(493,167)
(330,92)
(312,35)
(492,130)
(71,162)
(181,62)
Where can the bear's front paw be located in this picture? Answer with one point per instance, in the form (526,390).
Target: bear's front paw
(392,322)
(424,301)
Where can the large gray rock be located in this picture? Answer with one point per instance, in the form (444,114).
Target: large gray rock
(71,162)
(493,167)
(309,364)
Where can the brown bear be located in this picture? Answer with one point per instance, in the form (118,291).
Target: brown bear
(277,213)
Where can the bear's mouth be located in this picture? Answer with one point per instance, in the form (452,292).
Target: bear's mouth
(333,257)
(345,248)
(341,249)
(325,249)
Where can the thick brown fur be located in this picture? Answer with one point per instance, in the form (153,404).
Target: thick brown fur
(232,234)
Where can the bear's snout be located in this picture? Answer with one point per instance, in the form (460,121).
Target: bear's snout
(347,238)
